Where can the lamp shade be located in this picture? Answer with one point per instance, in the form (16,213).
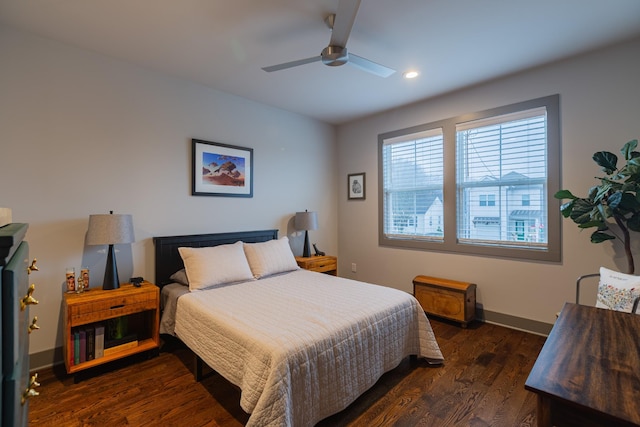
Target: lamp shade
(306,220)
(110,229)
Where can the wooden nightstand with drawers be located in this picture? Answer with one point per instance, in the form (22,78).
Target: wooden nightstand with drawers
(98,309)
(323,264)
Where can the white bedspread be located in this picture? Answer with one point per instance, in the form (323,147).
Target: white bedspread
(302,346)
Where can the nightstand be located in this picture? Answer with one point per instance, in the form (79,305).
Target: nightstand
(89,314)
(323,264)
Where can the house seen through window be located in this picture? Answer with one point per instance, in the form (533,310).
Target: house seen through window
(481,183)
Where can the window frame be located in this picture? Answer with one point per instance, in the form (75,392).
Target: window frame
(450,243)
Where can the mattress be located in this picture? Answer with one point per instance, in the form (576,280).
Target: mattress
(303,345)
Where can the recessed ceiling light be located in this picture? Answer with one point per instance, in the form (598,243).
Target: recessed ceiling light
(410,74)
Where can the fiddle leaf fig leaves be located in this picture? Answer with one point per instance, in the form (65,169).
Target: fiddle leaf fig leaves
(599,237)
(564,194)
(601,225)
(615,201)
(566,208)
(633,166)
(628,203)
(627,150)
(634,222)
(581,212)
(608,161)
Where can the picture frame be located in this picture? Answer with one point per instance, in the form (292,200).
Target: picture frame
(356,186)
(221,170)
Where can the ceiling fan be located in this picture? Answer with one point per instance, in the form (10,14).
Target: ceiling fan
(336,53)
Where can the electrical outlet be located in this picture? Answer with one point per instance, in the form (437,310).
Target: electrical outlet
(353,267)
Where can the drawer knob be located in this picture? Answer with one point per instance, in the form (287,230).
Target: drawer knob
(32,267)
(30,391)
(33,326)
(28,299)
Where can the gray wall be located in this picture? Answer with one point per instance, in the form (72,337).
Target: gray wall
(600,110)
(83,134)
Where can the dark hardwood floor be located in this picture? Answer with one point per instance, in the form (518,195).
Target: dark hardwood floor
(480,384)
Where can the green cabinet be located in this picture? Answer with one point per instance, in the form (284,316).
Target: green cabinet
(16,298)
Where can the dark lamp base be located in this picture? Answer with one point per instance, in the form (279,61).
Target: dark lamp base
(306,252)
(111,280)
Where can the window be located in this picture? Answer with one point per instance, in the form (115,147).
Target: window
(505,154)
(487,200)
(481,183)
(413,184)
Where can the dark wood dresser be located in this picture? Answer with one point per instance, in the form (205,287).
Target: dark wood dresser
(587,372)
(17,295)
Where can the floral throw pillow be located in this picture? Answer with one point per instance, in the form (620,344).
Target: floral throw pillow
(617,291)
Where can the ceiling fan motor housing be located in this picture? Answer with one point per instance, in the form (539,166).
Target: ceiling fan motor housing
(334,56)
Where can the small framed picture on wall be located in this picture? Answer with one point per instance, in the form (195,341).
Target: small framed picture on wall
(357,185)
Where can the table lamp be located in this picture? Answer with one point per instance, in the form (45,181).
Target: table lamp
(306,221)
(110,229)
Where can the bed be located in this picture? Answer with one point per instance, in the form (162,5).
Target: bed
(300,345)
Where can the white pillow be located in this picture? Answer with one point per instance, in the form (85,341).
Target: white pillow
(617,291)
(271,257)
(215,265)
(180,277)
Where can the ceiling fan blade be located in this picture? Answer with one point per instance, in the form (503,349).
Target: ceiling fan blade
(370,66)
(345,17)
(292,64)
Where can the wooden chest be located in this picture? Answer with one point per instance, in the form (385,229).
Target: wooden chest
(445,298)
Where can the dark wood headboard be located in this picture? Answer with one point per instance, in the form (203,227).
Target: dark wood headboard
(168,259)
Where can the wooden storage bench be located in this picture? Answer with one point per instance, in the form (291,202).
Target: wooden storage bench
(445,298)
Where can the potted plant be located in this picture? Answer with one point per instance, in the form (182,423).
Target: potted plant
(615,200)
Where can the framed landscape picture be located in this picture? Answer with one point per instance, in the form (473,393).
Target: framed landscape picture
(356,183)
(221,170)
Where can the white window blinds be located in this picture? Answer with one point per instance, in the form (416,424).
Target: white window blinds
(500,162)
(413,185)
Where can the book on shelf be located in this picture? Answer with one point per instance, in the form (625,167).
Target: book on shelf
(90,331)
(83,345)
(71,348)
(99,341)
(76,347)
(83,348)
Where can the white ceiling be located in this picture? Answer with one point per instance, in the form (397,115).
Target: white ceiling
(224,44)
